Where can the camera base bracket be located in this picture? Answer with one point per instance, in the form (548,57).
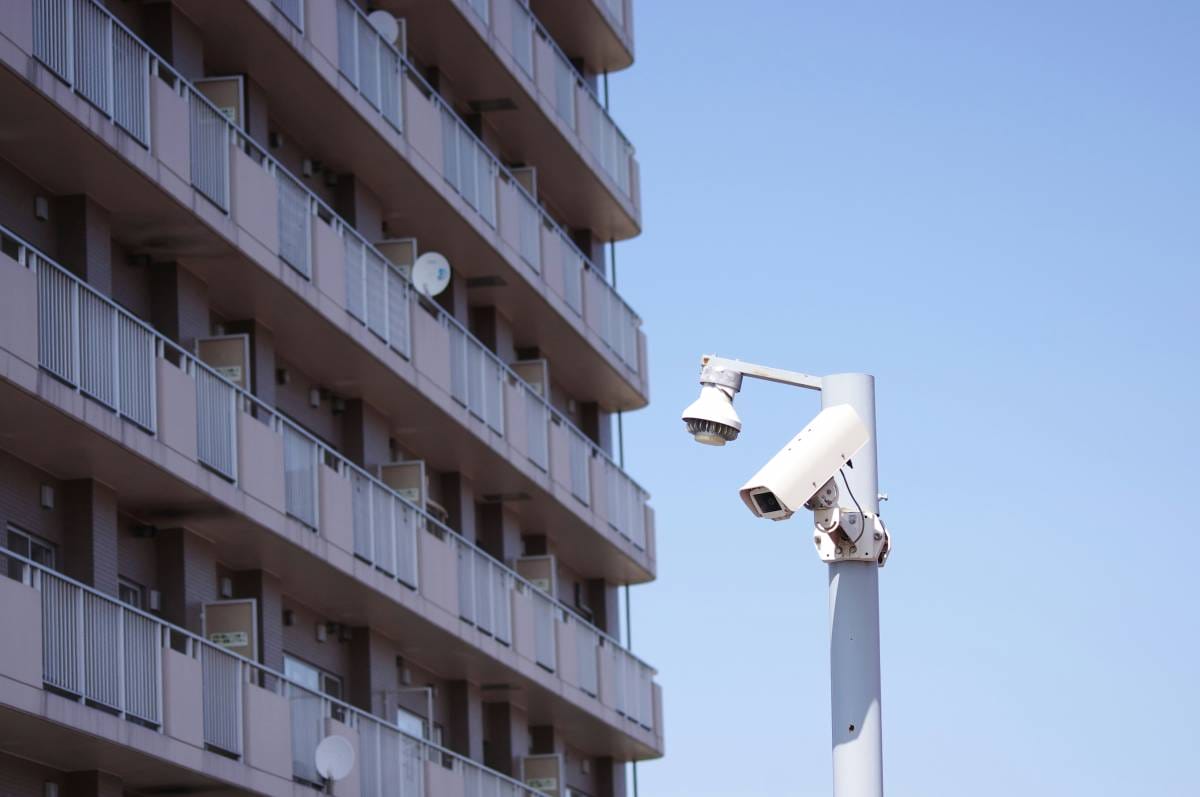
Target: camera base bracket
(846,535)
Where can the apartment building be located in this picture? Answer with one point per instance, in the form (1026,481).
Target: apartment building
(260,495)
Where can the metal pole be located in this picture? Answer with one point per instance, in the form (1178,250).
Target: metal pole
(854,618)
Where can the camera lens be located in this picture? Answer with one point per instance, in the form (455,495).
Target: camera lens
(767,503)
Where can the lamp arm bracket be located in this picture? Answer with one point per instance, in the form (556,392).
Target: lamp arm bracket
(764,372)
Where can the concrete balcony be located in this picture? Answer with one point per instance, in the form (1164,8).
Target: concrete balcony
(382,122)
(104,686)
(178,442)
(218,202)
(599,31)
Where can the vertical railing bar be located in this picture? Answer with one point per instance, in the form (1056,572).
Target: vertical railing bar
(80,667)
(108,69)
(121,707)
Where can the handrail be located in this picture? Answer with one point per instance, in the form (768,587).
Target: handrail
(200,641)
(580,79)
(243,138)
(245,396)
(429,91)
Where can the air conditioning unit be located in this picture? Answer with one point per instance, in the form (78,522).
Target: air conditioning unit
(536,373)
(544,773)
(541,571)
(407,478)
(437,511)
(527,177)
(401,251)
(228,94)
(228,355)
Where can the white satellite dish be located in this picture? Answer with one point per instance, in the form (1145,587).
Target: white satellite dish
(385,25)
(334,757)
(431,273)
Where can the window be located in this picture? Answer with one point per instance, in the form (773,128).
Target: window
(311,677)
(27,545)
(130,592)
(410,723)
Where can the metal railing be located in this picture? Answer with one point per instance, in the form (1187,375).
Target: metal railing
(476,376)
(385,525)
(109,354)
(529,227)
(545,613)
(300,463)
(628,520)
(481,9)
(111,655)
(295,223)
(92,345)
(591,122)
(580,448)
(615,9)
(522,35)
(537,428)
(587,652)
(99,58)
(95,649)
(373,66)
(209,138)
(59,347)
(484,591)
(477,373)
(469,166)
(216,421)
(293,11)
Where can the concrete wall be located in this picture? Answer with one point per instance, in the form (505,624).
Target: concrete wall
(300,640)
(20,501)
(20,777)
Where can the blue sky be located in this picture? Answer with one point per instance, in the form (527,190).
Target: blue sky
(993,207)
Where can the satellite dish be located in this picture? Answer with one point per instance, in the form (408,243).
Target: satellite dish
(334,757)
(431,273)
(385,25)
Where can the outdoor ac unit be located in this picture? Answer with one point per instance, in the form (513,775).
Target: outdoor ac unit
(536,373)
(544,773)
(401,251)
(228,355)
(527,177)
(228,94)
(408,479)
(541,571)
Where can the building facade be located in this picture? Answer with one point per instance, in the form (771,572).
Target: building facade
(274,518)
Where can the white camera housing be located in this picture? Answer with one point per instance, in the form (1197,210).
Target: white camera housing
(806,463)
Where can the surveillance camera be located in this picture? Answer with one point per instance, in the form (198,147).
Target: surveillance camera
(806,464)
(711,419)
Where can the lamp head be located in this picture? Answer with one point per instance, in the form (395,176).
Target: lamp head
(711,419)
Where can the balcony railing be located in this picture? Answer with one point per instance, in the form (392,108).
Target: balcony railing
(110,655)
(567,91)
(99,58)
(293,10)
(388,530)
(378,295)
(615,10)
(106,64)
(478,176)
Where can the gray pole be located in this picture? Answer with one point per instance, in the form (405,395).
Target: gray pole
(854,618)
